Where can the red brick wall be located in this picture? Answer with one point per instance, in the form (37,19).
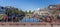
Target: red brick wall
(57,7)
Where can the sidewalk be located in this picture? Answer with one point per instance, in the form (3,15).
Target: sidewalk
(33,24)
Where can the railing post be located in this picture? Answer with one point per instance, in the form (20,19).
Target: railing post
(51,25)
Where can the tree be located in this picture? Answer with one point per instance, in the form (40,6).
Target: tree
(21,14)
(9,11)
(30,12)
(16,11)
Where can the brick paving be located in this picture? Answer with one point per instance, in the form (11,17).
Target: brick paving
(27,23)
(22,24)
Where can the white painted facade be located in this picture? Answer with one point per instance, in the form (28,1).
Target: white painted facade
(42,12)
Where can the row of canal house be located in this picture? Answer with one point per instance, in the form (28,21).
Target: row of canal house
(3,10)
(51,9)
(54,8)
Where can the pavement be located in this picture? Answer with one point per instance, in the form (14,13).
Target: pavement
(20,24)
(32,26)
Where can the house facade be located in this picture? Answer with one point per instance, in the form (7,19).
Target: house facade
(42,12)
(2,10)
(52,7)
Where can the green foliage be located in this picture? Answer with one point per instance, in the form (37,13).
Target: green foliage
(29,11)
(13,10)
(21,12)
(16,11)
(9,11)
(1,16)
(26,12)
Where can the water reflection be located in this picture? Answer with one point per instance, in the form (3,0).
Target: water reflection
(25,19)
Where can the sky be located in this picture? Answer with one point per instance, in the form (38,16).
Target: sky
(29,4)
